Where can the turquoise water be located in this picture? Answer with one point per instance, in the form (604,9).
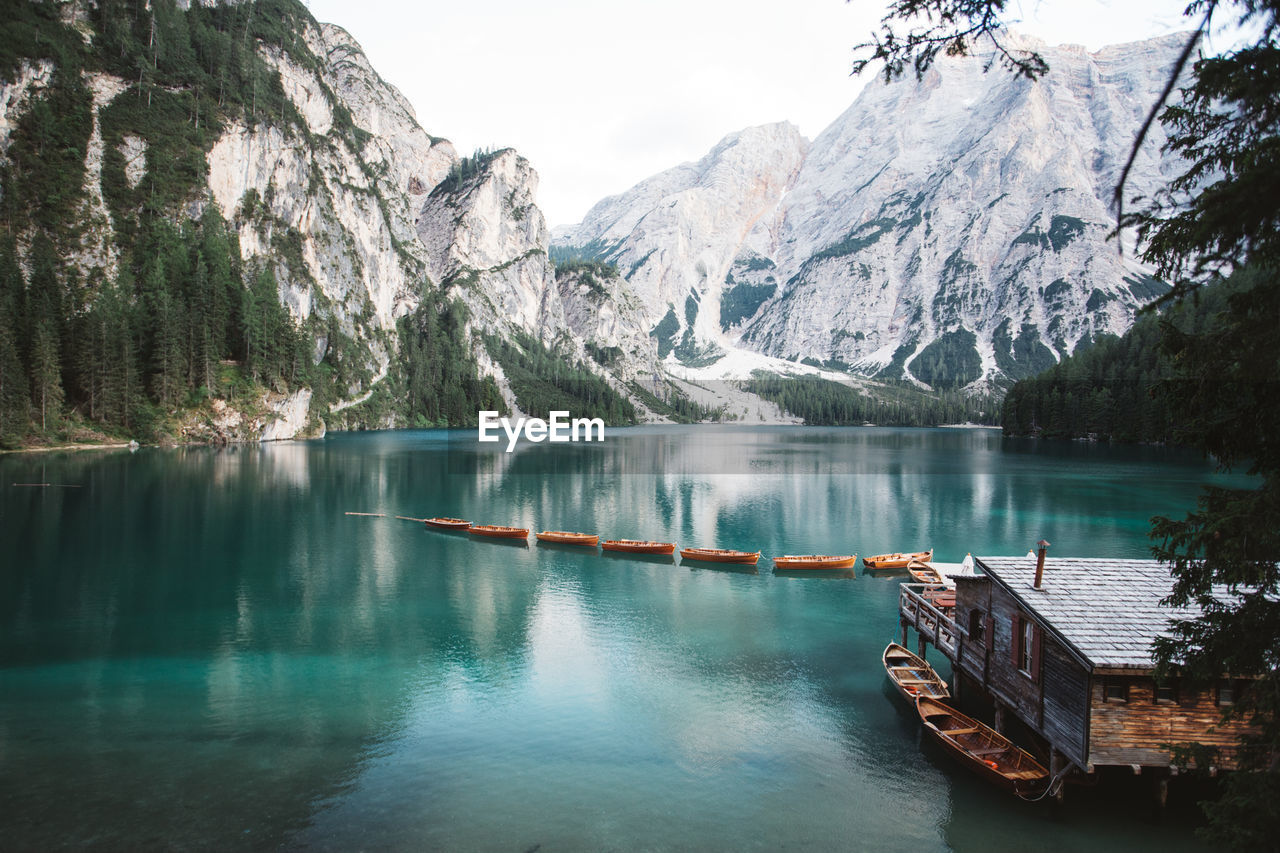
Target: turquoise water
(199,649)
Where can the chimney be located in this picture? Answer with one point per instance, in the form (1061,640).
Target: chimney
(1043,546)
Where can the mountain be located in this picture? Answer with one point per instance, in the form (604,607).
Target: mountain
(950,231)
(220,223)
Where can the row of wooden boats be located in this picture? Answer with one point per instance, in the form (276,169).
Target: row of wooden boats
(789,562)
(975,745)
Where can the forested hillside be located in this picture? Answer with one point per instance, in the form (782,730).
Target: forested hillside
(1110,390)
(823,402)
(124,101)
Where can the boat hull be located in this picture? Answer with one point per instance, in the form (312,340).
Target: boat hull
(815,561)
(924,573)
(494,531)
(631,546)
(896,561)
(912,675)
(564,537)
(720,555)
(447,523)
(982,749)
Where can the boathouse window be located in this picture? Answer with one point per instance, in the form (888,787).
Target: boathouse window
(1226,694)
(1026,647)
(1166,694)
(1028,644)
(976,623)
(1115,690)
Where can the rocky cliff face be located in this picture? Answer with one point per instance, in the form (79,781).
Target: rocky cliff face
(951,230)
(343,198)
(486,239)
(674,236)
(362,216)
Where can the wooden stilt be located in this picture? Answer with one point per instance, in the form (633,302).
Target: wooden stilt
(999,721)
(922,646)
(904,634)
(1162,792)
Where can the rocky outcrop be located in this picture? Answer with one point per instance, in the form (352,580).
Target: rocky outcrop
(487,242)
(291,418)
(14,93)
(98,256)
(273,417)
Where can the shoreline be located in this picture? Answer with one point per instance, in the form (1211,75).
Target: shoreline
(76,447)
(123,445)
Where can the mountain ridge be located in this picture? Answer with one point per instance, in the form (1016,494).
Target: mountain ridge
(949,231)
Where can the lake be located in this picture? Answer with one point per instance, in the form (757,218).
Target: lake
(199,648)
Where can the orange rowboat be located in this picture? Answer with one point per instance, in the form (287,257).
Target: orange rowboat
(815,561)
(924,573)
(896,561)
(637,546)
(983,750)
(499,532)
(719,555)
(447,523)
(912,675)
(564,537)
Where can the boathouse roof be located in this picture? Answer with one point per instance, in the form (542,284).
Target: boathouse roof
(1108,610)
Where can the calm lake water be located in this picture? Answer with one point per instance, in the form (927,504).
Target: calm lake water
(198,649)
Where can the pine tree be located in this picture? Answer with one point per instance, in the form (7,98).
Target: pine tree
(14,400)
(46,375)
(168,363)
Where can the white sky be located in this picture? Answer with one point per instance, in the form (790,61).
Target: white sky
(600,94)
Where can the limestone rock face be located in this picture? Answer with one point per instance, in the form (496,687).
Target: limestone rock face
(14,93)
(486,237)
(675,235)
(951,230)
(290,420)
(345,192)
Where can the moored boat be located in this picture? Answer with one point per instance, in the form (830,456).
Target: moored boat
(815,561)
(564,537)
(912,675)
(719,555)
(924,573)
(981,748)
(444,523)
(896,561)
(497,531)
(638,546)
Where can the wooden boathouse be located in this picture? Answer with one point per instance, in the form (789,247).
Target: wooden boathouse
(1064,645)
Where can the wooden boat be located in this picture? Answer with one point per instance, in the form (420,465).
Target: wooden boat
(896,561)
(499,532)
(719,555)
(924,573)
(564,537)
(444,523)
(638,546)
(815,561)
(982,749)
(912,674)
